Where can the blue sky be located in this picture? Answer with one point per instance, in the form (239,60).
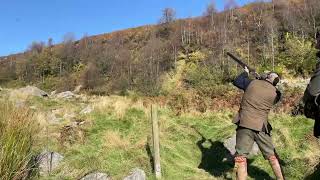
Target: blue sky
(25,21)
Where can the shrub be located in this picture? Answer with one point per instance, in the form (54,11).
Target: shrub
(17,130)
(299,55)
(179,102)
(208,81)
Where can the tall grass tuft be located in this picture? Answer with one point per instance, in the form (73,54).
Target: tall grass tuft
(17,130)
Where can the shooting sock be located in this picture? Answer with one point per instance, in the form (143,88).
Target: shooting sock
(240,167)
(273,160)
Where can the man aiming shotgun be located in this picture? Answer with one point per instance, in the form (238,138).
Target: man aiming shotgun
(260,95)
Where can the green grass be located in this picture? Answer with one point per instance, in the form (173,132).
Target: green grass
(115,144)
(181,154)
(17,132)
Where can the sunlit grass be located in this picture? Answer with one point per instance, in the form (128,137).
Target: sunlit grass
(118,139)
(17,131)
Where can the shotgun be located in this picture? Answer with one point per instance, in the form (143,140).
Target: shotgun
(242,64)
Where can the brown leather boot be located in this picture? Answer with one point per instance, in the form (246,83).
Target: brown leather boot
(241,167)
(273,160)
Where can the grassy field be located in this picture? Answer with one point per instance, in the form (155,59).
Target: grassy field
(116,137)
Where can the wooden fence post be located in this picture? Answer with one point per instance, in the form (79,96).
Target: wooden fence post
(156,141)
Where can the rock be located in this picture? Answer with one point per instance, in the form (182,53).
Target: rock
(52,119)
(33,107)
(65,95)
(136,174)
(20,103)
(48,162)
(86,110)
(230,144)
(77,89)
(32,91)
(78,122)
(96,176)
(53,93)
(69,116)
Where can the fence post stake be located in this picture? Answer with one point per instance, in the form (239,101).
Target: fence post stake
(156,141)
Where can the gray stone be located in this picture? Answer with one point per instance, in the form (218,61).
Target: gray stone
(77,89)
(48,162)
(69,116)
(66,95)
(136,174)
(86,110)
(32,91)
(20,103)
(33,107)
(230,144)
(53,93)
(96,176)
(52,119)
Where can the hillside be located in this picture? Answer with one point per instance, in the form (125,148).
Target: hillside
(268,36)
(93,115)
(112,136)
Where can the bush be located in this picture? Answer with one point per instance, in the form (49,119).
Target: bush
(49,84)
(179,102)
(208,81)
(299,55)
(17,130)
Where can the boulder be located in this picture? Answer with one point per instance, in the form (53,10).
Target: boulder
(32,91)
(86,110)
(96,176)
(136,174)
(48,162)
(230,144)
(65,95)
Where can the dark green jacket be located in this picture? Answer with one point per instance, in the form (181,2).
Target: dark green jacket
(312,90)
(314,84)
(257,101)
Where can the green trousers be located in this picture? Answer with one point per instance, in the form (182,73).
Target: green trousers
(246,138)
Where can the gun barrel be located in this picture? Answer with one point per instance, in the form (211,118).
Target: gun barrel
(241,62)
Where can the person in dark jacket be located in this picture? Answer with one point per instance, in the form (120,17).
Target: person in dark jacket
(311,100)
(252,121)
(309,105)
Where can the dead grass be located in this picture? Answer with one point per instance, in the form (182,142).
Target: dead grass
(113,140)
(117,104)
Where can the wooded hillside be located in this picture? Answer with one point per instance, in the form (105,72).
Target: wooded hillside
(277,35)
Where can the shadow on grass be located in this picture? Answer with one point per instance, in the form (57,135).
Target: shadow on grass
(148,149)
(218,161)
(315,175)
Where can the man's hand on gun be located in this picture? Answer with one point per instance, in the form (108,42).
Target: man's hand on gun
(246,69)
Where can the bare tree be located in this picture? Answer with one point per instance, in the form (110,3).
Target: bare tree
(36,47)
(69,37)
(50,42)
(168,15)
(230,4)
(210,12)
